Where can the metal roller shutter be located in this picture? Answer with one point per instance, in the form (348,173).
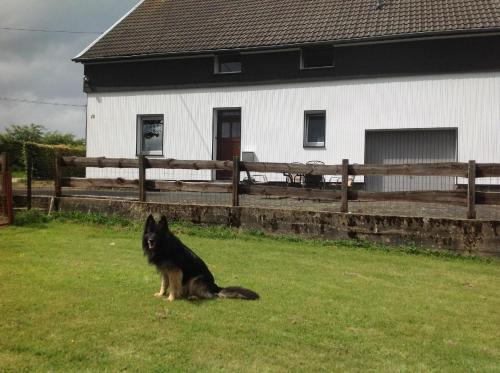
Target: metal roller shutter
(410,146)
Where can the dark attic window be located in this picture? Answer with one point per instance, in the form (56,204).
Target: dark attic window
(228,64)
(317,57)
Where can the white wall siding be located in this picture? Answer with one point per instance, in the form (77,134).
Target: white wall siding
(273,118)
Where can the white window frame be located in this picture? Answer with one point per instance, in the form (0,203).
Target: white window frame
(308,144)
(140,118)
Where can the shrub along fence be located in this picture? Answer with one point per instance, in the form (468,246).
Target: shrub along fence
(468,198)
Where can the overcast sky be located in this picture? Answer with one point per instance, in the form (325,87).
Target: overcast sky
(37,66)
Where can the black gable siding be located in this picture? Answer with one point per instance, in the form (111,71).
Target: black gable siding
(472,54)
(438,56)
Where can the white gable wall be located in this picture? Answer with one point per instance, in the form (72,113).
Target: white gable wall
(273,118)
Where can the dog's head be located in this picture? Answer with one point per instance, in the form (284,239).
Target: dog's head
(155,235)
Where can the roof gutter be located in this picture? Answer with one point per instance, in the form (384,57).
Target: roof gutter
(338,43)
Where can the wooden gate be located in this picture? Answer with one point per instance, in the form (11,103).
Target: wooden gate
(6,203)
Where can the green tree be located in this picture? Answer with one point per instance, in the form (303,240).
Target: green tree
(13,138)
(22,133)
(58,138)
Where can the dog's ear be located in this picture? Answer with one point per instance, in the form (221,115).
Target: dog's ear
(163,224)
(150,224)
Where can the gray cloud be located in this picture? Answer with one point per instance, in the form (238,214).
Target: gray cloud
(38,66)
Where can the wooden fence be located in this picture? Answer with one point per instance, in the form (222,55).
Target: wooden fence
(344,194)
(6,203)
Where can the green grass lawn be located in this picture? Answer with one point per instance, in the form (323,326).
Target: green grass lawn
(79,297)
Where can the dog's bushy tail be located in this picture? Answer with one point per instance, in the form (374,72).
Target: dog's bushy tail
(236,292)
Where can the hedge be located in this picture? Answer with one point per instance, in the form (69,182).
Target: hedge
(15,152)
(44,159)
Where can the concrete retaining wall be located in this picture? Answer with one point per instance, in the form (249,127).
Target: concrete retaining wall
(470,237)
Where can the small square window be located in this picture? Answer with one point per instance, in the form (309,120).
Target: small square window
(314,129)
(150,134)
(313,58)
(228,64)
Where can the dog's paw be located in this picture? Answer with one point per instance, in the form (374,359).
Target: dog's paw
(159,295)
(171,298)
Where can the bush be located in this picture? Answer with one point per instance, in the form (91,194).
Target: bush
(44,159)
(31,218)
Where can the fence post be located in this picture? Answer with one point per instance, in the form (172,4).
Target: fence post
(345,184)
(4,166)
(142,178)
(471,191)
(57,175)
(6,188)
(29,177)
(9,195)
(236,181)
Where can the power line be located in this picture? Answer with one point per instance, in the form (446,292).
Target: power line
(39,102)
(56,31)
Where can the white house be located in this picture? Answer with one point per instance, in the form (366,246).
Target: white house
(395,81)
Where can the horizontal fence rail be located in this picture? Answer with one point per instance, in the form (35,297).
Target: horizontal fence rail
(467,197)
(185,186)
(312,169)
(487,169)
(99,162)
(422,169)
(150,163)
(306,193)
(452,169)
(83,183)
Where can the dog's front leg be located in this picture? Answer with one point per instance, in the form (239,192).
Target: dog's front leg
(164,285)
(175,281)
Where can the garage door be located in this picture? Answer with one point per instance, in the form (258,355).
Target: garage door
(410,146)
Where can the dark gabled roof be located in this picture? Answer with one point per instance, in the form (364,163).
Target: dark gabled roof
(163,27)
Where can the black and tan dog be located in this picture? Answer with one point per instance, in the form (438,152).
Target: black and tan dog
(183,272)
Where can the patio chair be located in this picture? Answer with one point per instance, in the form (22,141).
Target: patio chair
(314,181)
(294,179)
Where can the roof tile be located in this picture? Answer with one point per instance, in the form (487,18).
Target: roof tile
(191,26)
